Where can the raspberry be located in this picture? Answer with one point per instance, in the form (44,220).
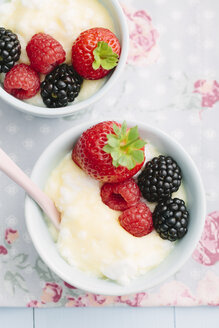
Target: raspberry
(45,53)
(22,82)
(137,220)
(120,196)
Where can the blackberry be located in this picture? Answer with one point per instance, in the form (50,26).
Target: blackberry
(61,86)
(159,179)
(10,50)
(170,219)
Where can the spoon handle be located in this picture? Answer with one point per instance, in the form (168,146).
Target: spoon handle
(18,176)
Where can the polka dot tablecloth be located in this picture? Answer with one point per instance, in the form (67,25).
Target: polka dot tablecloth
(170,81)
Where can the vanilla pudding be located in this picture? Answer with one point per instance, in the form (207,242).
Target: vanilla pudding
(62,19)
(91,237)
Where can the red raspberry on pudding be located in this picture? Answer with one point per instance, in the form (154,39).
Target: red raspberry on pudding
(22,82)
(137,220)
(45,53)
(120,196)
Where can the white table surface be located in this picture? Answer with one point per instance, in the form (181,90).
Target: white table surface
(166,317)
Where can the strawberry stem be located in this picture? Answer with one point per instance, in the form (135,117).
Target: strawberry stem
(104,56)
(129,144)
(125,146)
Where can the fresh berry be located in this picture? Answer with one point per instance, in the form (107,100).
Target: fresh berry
(160,178)
(61,86)
(10,50)
(22,82)
(171,219)
(95,53)
(137,220)
(44,53)
(120,196)
(110,152)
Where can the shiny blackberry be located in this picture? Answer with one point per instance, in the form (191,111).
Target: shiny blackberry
(160,178)
(10,50)
(171,218)
(61,86)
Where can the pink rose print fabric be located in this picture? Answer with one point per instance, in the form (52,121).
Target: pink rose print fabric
(143,38)
(208,289)
(3,250)
(209,91)
(34,303)
(80,301)
(100,300)
(11,235)
(133,301)
(52,292)
(69,286)
(207,251)
(90,300)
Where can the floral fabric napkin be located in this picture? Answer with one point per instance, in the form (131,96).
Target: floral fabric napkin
(170,81)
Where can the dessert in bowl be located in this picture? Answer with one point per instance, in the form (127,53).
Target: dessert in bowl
(56,33)
(117,245)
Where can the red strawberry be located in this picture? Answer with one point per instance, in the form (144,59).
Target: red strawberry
(22,82)
(120,196)
(137,220)
(45,53)
(110,152)
(95,52)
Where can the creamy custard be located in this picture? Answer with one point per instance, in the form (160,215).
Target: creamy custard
(62,19)
(91,237)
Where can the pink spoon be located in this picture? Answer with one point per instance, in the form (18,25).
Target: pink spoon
(18,176)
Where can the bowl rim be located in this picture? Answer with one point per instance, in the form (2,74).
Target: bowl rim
(75,107)
(199,228)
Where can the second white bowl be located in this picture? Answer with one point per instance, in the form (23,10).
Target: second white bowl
(183,249)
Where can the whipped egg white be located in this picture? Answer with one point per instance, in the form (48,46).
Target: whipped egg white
(62,19)
(91,237)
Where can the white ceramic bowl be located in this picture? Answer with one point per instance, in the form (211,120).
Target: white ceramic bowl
(183,249)
(122,33)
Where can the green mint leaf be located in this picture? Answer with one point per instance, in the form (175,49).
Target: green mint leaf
(137,155)
(133,134)
(138,144)
(104,56)
(116,129)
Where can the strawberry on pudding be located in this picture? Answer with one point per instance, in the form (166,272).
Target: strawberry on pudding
(108,229)
(109,152)
(95,52)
